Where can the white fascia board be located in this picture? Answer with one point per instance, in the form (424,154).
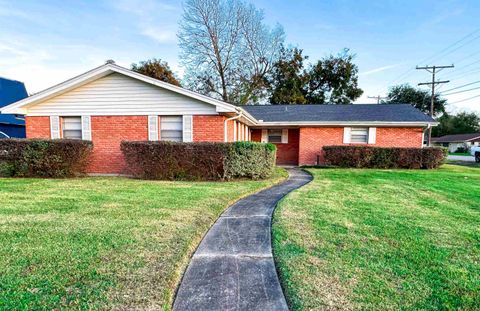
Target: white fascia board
(16,108)
(474,138)
(251,119)
(346,123)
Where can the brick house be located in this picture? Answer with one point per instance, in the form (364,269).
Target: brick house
(110,103)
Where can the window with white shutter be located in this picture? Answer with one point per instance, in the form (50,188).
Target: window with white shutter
(372,135)
(86,128)
(264,136)
(153,128)
(55,127)
(187,128)
(72,127)
(359,135)
(346,135)
(275,136)
(171,128)
(285,136)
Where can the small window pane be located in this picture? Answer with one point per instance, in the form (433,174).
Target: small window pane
(275,136)
(72,127)
(171,128)
(359,135)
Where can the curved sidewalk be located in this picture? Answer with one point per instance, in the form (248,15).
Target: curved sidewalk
(233,267)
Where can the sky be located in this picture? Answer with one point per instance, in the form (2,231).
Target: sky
(43,43)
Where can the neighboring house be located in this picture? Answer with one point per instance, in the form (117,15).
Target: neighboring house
(110,103)
(453,142)
(10,92)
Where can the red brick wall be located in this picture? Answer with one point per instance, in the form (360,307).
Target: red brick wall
(208,128)
(109,131)
(312,139)
(287,154)
(399,137)
(107,134)
(37,127)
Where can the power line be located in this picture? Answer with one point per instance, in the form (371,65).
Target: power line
(431,58)
(467,57)
(378,98)
(459,47)
(433,70)
(465,73)
(407,73)
(458,92)
(464,100)
(459,87)
(462,69)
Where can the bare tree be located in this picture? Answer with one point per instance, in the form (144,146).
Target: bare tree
(227,50)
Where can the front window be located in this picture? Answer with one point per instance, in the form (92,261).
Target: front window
(275,136)
(359,135)
(171,128)
(72,127)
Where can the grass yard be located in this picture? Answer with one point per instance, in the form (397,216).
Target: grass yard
(460,153)
(103,243)
(382,240)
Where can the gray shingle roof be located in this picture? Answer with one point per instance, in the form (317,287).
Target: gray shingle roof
(338,113)
(457,138)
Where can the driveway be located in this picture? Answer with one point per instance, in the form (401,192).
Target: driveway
(233,267)
(461,158)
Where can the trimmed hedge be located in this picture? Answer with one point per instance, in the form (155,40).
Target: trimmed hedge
(376,157)
(198,161)
(43,158)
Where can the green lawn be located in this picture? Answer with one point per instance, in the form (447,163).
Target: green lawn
(103,243)
(460,153)
(382,240)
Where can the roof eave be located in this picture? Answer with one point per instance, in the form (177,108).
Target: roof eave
(348,123)
(19,107)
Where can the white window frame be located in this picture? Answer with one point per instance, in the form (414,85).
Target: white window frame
(162,129)
(63,127)
(354,132)
(370,137)
(279,135)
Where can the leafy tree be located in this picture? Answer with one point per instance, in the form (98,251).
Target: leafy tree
(419,98)
(288,78)
(331,80)
(227,49)
(157,69)
(461,123)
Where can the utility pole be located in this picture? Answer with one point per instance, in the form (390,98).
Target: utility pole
(378,98)
(433,70)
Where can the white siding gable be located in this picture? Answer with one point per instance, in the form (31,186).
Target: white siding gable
(117,94)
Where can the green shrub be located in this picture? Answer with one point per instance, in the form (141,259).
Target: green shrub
(198,161)
(7,169)
(376,157)
(44,158)
(250,160)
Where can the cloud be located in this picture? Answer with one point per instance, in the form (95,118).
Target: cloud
(379,69)
(443,16)
(156,20)
(158,34)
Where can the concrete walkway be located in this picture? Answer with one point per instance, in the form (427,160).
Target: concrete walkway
(461,158)
(233,267)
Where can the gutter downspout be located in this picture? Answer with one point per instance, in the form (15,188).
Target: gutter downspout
(429,143)
(225,127)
